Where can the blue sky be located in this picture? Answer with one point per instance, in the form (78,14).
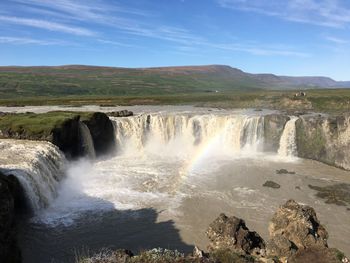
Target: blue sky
(285,37)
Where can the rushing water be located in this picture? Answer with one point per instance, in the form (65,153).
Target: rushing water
(173,174)
(37,165)
(288,145)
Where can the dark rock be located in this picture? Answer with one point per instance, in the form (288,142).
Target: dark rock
(9,251)
(232,233)
(299,225)
(338,194)
(102,133)
(122,113)
(284,171)
(298,188)
(271,184)
(67,138)
(273,129)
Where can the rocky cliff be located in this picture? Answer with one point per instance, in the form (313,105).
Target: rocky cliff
(10,202)
(325,139)
(67,130)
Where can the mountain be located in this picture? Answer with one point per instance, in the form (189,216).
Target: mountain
(92,80)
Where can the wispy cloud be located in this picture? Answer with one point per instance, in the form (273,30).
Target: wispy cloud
(26,41)
(261,50)
(51,26)
(330,13)
(337,40)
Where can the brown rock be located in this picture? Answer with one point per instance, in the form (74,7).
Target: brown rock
(232,233)
(299,225)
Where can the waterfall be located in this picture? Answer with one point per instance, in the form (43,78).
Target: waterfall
(288,145)
(235,133)
(38,167)
(87,143)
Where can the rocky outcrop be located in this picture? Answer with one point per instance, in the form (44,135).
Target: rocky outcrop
(232,233)
(102,133)
(325,139)
(295,227)
(10,196)
(122,113)
(71,132)
(273,129)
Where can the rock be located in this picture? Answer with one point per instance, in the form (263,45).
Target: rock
(299,225)
(232,233)
(284,171)
(319,255)
(102,133)
(271,184)
(66,137)
(9,250)
(325,139)
(122,113)
(280,246)
(198,253)
(273,129)
(338,194)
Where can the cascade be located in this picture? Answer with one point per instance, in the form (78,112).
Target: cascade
(236,133)
(87,143)
(288,146)
(38,167)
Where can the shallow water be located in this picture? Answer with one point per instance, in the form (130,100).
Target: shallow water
(145,202)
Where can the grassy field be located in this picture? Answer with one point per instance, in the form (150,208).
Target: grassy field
(98,81)
(37,125)
(332,101)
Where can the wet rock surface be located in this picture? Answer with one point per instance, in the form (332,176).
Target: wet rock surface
(122,113)
(9,251)
(271,184)
(102,133)
(284,171)
(338,194)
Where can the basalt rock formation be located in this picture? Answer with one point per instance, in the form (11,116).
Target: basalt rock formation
(76,134)
(10,201)
(273,129)
(325,139)
(102,133)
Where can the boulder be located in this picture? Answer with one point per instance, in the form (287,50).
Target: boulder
(271,184)
(295,227)
(232,233)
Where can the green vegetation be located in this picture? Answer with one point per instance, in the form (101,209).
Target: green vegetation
(36,125)
(331,101)
(104,81)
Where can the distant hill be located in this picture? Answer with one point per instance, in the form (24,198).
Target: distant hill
(92,80)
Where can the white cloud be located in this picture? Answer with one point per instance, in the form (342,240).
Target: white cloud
(43,24)
(26,41)
(330,13)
